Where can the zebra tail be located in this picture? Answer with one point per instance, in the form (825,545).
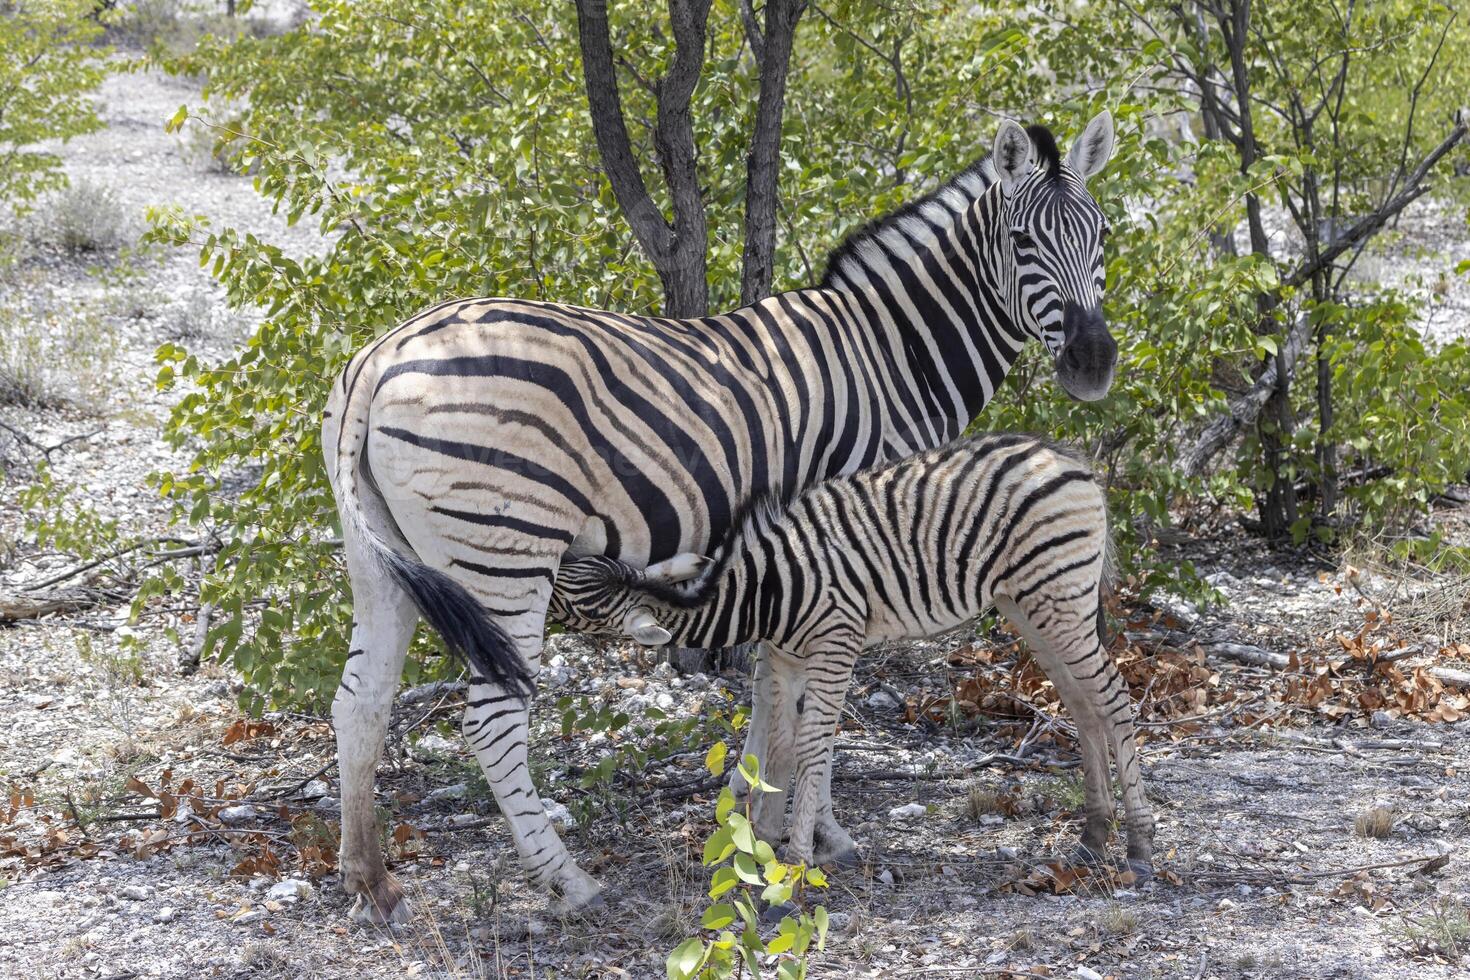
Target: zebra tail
(468,630)
(466,626)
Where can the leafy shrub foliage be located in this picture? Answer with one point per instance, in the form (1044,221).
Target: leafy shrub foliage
(50,71)
(748,878)
(460,161)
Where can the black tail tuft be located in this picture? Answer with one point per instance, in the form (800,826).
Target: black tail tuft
(467,628)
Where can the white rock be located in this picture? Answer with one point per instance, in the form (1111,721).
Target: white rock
(885,876)
(315,788)
(1086,973)
(881,700)
(1381,719)
(136,893)
(166,914)
(460,819)
(908,811)
(663,700)
(246,918)
(839,922)
(290,890)
(558,814)
(1223,581)
(455,791)
(237,814)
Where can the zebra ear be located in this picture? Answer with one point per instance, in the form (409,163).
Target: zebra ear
(1092,150)
(1013,155)
(643,628)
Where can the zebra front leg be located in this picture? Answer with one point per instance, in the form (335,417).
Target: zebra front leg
(758,728)
(831,844)
(782,694)
(828,671)
(384,619)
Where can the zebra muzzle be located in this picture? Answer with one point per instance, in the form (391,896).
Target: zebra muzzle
(643,628)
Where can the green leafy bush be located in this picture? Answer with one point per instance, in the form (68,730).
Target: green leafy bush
(49,69)
(747,880)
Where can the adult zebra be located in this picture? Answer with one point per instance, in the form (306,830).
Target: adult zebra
(481,441)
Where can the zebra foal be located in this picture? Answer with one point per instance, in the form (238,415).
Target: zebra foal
(903,551)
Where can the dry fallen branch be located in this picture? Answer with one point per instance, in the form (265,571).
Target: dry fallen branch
(1254,656)
(14,609)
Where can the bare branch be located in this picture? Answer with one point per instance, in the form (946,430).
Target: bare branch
(1413,188)
(649,226)
(1247,408)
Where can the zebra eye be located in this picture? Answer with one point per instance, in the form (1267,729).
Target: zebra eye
(1023,240)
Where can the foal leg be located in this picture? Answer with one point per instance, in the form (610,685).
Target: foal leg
(782,697)
(831,844)
(1065,641)
(828,671)
(383,623)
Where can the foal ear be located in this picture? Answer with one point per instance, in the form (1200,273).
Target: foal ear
(680,568)
(643,628)
(1092,150)
(1013,155)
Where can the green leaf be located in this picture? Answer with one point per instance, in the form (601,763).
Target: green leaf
(686,959)
(718,916)
(746,868)
(714,759)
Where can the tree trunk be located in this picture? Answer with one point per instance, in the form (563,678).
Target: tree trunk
(676,248)
(762,164)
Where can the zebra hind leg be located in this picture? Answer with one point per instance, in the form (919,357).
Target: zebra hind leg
(383,624)
(497,727)
(1063,638)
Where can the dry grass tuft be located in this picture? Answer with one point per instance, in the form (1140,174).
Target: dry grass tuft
(1024,939)
(1374,822)
(984,800)
(1120,920)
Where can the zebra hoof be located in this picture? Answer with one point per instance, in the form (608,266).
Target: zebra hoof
(1142,868)
(843,855)
(1087,857)
(577,894)
(381,904)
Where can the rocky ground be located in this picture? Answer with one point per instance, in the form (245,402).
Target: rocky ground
(1313,819)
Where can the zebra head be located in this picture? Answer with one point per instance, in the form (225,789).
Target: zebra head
(1053,230)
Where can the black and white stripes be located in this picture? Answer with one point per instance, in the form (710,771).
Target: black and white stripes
(490,439)
(905,550)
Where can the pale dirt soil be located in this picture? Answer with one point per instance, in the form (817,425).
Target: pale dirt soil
(1256,799)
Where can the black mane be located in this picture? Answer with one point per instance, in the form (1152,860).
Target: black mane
(1046,149)
(971,182)
(869,230)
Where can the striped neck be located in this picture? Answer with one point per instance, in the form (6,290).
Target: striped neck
(935,283)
